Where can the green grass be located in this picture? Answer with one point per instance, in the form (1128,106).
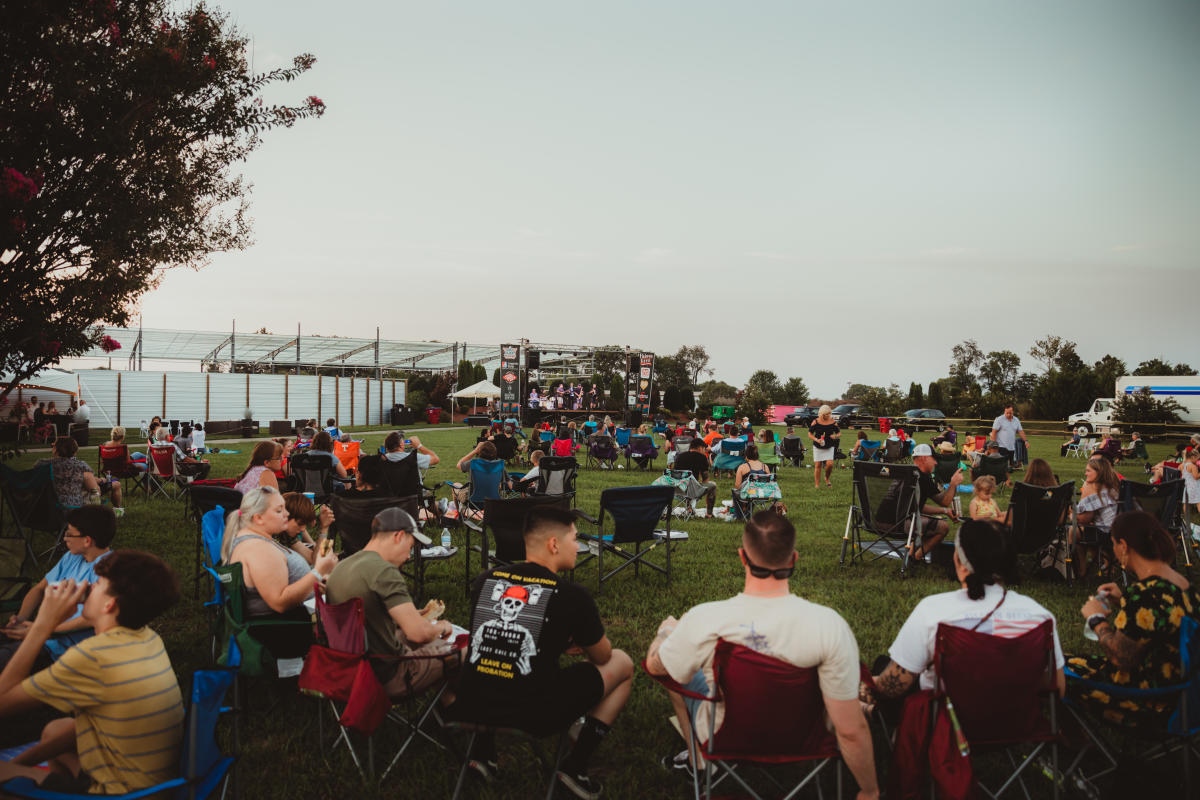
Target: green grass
(280,756)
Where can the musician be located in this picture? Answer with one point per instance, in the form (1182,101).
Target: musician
(534,400)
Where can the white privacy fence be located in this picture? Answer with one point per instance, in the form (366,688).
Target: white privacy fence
(117,397)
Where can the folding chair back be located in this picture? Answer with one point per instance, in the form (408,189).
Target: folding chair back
(348,453)
(893,451)
(729,429)
(562,447)
(556,476)
(1038,514)
(162,461)
(732,455)
(342,626)
(353,516)
(313,472)
(212,534)
(602,450)
(868,451)
(622,436)
(30,498)
(946,466)
(885,504)
(641,448)
(996,466)
(1163,500)
(203,765)
(115,461)
(791,449)
(487,476)
(682,444)
(635,511)
(504,522)
(401,478)
(753,687)
(506,447)
(998,685)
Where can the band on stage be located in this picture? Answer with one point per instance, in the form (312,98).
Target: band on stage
(566,398)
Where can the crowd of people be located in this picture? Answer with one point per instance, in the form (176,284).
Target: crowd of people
(65,649)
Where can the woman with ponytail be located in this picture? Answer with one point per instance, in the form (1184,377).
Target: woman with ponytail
(1138,626)
(982,604)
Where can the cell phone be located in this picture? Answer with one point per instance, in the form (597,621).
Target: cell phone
(408,441)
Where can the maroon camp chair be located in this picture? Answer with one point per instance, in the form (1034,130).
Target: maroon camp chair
(115,461)
(1003,692)
(755,688)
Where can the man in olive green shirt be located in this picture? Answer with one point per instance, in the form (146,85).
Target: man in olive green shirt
(394,625)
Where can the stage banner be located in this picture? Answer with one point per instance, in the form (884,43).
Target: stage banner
(639,381)
(510,383)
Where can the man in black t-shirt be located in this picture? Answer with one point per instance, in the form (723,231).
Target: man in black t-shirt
(932,500)
(695,460)
(524,617)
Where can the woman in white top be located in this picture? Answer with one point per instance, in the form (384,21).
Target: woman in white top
(1095,511)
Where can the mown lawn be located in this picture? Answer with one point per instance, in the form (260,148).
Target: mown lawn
(279,753)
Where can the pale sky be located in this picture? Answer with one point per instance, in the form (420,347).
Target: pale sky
(839,191)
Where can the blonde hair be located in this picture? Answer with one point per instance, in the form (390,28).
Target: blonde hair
(118,433)
(255,501)
(824,411)
(985,483)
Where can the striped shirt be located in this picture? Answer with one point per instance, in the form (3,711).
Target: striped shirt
(128,709)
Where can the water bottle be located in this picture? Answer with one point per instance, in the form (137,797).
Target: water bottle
(445,538)
(956,506)
(1088,633)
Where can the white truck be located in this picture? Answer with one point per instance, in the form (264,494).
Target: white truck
(1183,389)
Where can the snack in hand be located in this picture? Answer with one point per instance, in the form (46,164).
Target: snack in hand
(433,610)
(326,546)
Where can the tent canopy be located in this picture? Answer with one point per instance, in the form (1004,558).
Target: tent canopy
(481,389)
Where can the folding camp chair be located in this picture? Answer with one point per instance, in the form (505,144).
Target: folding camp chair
(1003,692)
(681,443)
(753,686)
(402,479)
(1039,516)
(791,451)
(312,472)
(868,451)
(996,466)
(501,531)
(114,461)
(163,472)
(16,560)
(562,446)
(204,771)
(487,482)
(893,451)
(1165,501)
(338,670)
(622,437)
(237,647)
(201,500)
(757,492)
(945,467)
(884,503)
(32,505)
(732,456)
(602,453)
(687,491)
(212,533)
(641,449)
(635,512)
(556,477)
(352,521)
(348,453)
(1177,735)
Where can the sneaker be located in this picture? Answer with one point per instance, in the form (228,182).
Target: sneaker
(679,761)
(581,785)
(118,511)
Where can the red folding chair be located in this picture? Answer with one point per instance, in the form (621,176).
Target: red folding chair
(999,689)
(162,472)
(773,714)
(115,461)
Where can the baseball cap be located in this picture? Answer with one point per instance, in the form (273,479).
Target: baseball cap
(397,519)
(922,450)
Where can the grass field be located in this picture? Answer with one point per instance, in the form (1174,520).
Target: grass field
(279,753)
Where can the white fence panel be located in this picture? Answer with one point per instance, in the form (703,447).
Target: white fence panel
(185,396)
(226,396)
(328,401)
(346,388)
(141,397)
(267,397)
(302,397)
(99,389)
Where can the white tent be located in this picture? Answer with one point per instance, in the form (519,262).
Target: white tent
(485,389)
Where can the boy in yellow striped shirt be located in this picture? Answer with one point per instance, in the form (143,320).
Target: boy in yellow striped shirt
(118,684)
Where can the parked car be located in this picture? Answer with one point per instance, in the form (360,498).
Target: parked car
(853,415)
(918,419)
(802,418)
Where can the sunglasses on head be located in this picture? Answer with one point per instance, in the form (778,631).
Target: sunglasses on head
(781,574)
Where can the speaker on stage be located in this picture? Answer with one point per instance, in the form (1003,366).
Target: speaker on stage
(533,359)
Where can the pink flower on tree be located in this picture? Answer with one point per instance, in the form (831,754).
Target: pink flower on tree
(18,186)
(108,344)
(315,103)
(210,62)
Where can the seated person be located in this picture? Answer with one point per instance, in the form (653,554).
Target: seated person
(90,531)
(697,462)
(1076,438)
(1095,511)
(305,436)
(512,676)
(485,451)
(982,604)
(1110,448)
(332,429)
(506,445)
(369,480)
(394,625)
(198,438)
(862,437)
(348,452)
(768,618)
(117,439)
(302,518)
(264,460)
(322,445)
(184,464)
(74,482)
(932,502)
(991,451)
(711,436)
(1139,643)
(983,505)
(948,435)
(397,447)
(751,466)
(277,580)
(118,684)
(529,481)
(969,452)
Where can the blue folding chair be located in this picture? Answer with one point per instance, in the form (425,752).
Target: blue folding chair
(212,533)
(203,770)
(487,481)
(1181,728)
(634,513)
(622,437)
(867,451)
(732,455)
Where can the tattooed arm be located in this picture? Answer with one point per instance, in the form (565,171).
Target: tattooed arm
(1123,652)
(894,681)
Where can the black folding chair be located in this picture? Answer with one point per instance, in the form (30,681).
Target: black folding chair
(635,512)
(997,466)
(556,477)
(201,500)
(884,504)
(312,472)
(946,466)
(502,530)
(1165,501)
(32,505)
(402,479)
(791,451)
(1039,515)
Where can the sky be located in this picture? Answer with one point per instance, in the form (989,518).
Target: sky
(836,191)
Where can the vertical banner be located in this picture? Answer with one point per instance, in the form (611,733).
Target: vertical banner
(510,383)
(639,381)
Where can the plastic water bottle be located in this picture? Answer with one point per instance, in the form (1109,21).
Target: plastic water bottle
(445,538)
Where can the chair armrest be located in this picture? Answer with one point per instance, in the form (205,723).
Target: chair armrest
(671,685)
(472,525)
(586,517)
(1127,691)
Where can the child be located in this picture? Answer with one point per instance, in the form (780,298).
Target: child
(982,505)
(198,438)
(1191,485)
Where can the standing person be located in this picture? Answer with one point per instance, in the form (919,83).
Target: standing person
(1005,430)
(523,619)
(824,434)
(1191,488)
(767,617)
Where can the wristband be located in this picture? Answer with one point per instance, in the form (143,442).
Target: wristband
(1095,619)
(320,578)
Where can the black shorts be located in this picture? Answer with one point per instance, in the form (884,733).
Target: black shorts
(66,783)
(573,692)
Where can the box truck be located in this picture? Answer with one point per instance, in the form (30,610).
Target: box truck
(1183,389)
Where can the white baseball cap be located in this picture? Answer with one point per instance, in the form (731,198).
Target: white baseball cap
(922,450)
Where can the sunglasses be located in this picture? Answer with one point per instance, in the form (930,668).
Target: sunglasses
(781,574)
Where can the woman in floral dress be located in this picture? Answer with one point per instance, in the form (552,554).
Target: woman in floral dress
(1141,639)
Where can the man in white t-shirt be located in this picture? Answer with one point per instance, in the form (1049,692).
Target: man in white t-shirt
(982,604)
(82,414)
(397,448)
(767,618)
(1005,430)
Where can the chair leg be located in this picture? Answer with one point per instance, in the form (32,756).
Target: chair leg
(462,771)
